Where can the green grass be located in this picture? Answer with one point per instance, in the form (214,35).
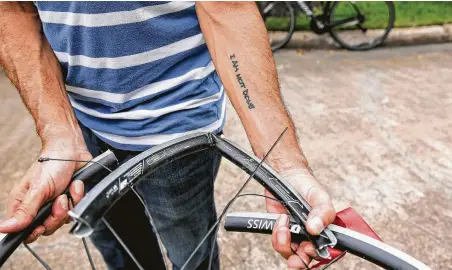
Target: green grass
(408,14)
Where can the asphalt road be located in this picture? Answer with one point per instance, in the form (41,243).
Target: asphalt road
(377,130)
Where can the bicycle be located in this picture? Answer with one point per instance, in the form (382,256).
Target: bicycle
(120,180)
(348,23)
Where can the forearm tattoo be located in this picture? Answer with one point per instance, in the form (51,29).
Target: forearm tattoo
(246,95)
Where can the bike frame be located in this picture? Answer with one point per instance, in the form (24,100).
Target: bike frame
(319,24)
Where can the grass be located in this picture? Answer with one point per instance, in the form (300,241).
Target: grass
(408,14)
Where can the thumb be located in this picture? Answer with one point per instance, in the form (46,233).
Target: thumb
(322,213)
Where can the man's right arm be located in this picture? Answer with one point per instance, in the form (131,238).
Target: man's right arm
(33,68)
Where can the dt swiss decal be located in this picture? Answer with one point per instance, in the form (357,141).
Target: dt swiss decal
(130,175)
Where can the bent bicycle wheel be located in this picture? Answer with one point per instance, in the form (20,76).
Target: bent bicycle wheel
(282,16)
(91,210)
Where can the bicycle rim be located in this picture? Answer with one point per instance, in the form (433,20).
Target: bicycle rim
(361,25)
(282,14)
(103,196)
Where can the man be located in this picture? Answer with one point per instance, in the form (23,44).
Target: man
(131,75)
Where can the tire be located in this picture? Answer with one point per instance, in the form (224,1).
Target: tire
(351,241)
(270,10)
(344,37)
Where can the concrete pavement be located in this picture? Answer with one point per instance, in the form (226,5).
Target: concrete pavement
(376,127)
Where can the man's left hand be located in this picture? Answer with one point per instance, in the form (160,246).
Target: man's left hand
(321,215)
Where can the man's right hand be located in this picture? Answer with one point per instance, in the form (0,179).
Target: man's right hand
(41,183)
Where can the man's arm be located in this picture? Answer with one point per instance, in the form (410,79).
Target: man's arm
(32,67)
(238,43)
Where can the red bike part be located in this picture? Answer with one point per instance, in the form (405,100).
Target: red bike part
(350,219)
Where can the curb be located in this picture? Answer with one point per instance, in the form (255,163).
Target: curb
(397,37)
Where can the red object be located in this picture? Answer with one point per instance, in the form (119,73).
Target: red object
(350,219)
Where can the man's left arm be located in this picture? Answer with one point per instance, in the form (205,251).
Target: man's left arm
(238,43)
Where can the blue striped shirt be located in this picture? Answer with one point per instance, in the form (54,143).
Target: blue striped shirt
(137,73)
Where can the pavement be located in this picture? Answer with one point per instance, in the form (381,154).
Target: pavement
(397,37)
(375,126)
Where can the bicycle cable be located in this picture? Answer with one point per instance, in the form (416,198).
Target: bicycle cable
(215,225)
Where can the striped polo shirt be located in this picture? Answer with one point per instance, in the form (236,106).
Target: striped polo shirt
(137,73)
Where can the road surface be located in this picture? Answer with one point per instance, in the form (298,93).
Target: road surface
(375,126)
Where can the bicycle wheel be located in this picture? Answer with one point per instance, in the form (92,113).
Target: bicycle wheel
(93,207)
(279,16)
(351,241)
(360,25)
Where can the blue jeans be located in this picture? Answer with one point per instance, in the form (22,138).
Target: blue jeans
(180,200)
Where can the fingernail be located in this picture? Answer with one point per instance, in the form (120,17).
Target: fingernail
(283,220)
(8,222)
(79,187)
(40,233)
(316,225)
(64,202)
(281,236)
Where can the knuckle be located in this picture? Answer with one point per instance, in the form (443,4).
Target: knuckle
(51,229)
(310,192)
(23,211)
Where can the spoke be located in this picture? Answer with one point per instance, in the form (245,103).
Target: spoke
(214,226)
(305,264)
(85,245)
(122,243)
(213,247)
(43,263)
(90,259)
(152,223)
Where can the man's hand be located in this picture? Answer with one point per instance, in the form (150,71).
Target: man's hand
(31,65)
(43,182)
(322,215)
(239,45)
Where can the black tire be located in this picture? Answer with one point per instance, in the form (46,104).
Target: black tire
(348,240)
(279,9)
(346,42)
(103,196)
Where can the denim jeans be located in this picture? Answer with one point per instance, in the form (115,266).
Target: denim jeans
(180,200)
